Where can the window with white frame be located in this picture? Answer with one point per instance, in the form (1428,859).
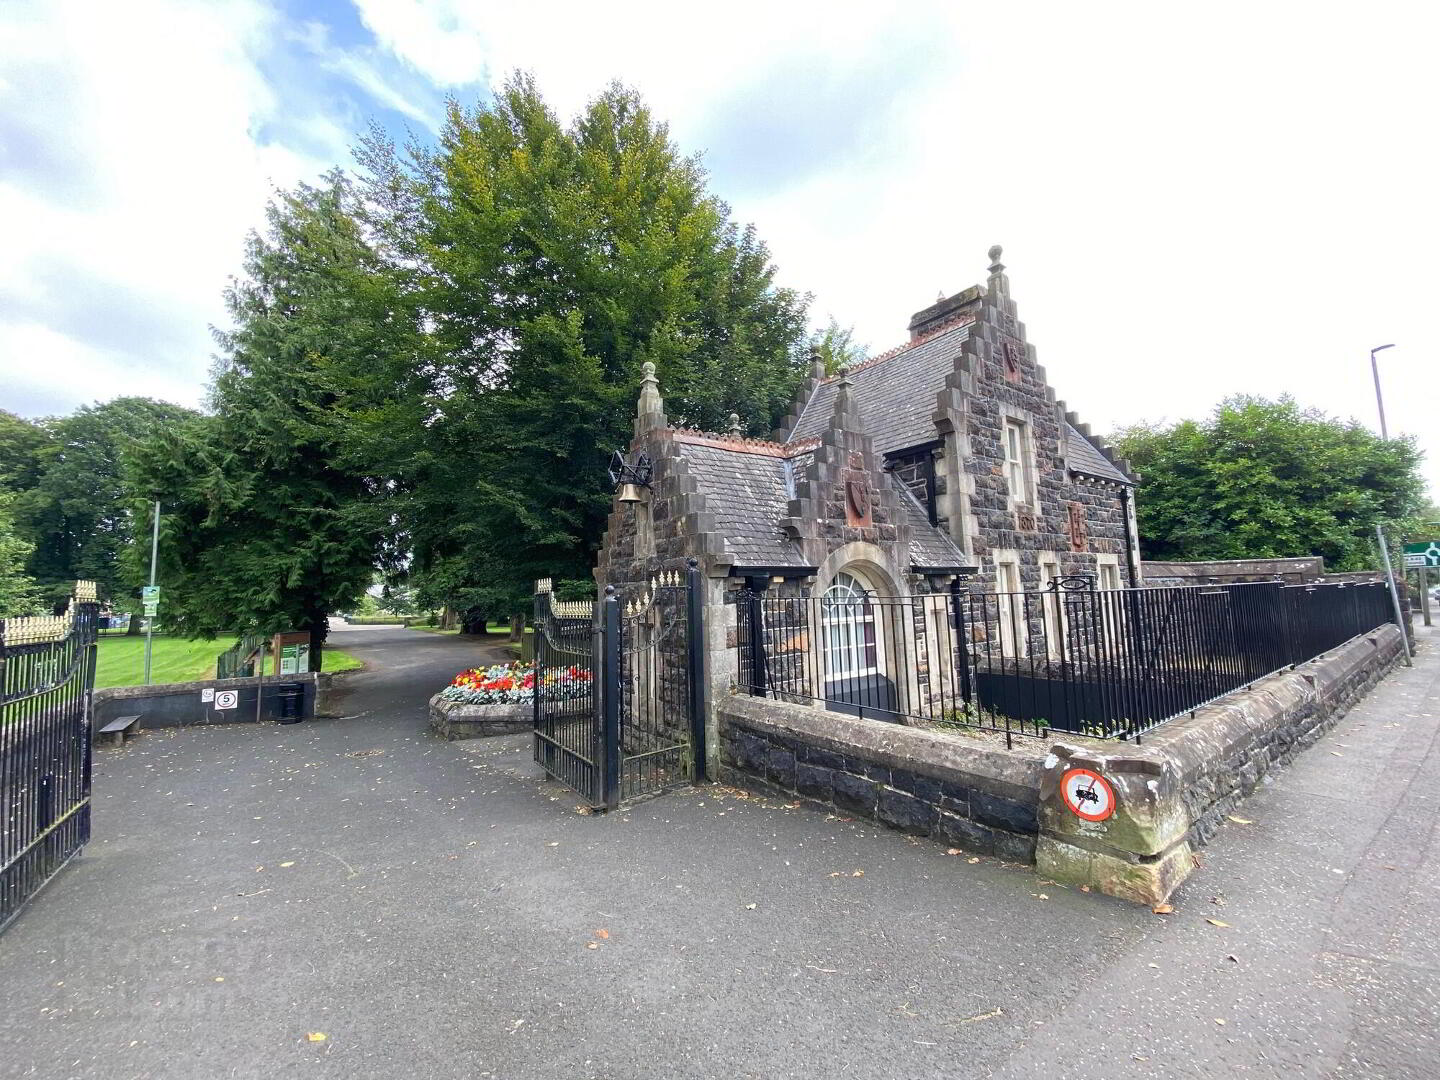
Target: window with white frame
(1010,607)
(848,626)
(1054,612)
(1108,575)
(1018,473)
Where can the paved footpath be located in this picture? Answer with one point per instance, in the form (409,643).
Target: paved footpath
(436,910)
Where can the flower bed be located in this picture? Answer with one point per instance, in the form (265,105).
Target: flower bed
(514,684)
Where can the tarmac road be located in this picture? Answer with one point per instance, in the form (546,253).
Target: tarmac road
(438,910)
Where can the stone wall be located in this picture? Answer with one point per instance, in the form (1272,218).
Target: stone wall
(180,704)
(961,793)
(1173,790)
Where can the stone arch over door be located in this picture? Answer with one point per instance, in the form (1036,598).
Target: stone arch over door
(862,634)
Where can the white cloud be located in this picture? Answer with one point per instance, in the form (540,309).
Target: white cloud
(148,173)
(1193,202)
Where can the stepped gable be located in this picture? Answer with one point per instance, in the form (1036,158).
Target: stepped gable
(895,390)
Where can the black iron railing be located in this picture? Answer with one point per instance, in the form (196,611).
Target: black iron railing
(1105,664)
(47,672)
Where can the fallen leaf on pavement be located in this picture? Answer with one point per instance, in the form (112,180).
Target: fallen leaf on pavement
(954,851)
(591,945)
(1162,909)
(316,1036)
(603,934)
(858,873)
(1240,820)
(1216,922)
(285,864)
(749,907)
(973,859)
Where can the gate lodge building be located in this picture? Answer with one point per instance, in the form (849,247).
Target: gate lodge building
(944,465)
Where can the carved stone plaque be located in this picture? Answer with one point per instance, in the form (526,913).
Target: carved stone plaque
(857,501)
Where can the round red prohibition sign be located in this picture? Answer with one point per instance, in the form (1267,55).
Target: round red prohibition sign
(1088,794)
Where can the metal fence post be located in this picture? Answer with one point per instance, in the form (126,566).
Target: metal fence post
(699,696)
(755,614)
(610,691)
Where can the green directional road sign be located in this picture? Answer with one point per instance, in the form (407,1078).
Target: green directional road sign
(1426,553)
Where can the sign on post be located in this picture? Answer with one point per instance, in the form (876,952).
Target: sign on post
(150,594)
(1425,553)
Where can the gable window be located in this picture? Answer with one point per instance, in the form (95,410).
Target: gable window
(1018,474)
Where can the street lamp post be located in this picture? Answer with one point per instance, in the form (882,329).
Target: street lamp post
(1379,401)
(1379,532)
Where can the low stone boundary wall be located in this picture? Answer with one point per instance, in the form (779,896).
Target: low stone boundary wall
(456,720)
(980,798)
(1171,791)
(179,704)
(1166,795)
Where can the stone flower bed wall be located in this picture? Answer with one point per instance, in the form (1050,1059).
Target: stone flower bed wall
(458,720)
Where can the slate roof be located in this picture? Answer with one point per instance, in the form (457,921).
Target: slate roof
(1082,456)
(750,493)
(895,395)
(930,547)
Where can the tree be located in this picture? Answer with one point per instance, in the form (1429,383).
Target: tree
(19,594)
(264,530)
(1269,479)
(22,446)
(837,347)
(78,512)
(541,266)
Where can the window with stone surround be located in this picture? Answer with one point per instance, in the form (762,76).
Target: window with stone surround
(1051,602)
(1010,607)
(1019,474)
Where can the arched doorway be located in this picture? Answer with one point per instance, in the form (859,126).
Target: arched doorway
(853,636)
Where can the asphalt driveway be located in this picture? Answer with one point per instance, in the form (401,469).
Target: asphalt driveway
(355,898)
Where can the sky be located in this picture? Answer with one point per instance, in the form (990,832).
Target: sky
(1194,200)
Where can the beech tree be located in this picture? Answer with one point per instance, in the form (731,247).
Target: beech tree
(543,265)
(1270,479)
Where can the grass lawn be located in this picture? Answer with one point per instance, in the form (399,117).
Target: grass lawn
(120,660)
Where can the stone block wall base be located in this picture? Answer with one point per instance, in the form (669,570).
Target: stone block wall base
(1127,877)
(452,720)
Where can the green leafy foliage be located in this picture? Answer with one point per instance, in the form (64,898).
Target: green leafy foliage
(19,593)
(541,265)
(1269,479)
(78,512)
(263,528)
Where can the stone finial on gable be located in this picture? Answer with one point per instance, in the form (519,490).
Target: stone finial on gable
(817,363)
(999,284)
(845,414)
(736,431)
(650,409)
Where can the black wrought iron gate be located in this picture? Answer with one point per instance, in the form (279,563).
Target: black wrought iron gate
(619,691)
(47,671)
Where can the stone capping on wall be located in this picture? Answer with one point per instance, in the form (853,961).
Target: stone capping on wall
(1175,787)
(965,793)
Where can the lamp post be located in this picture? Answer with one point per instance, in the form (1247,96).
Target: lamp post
(1379,401)
(1379,532)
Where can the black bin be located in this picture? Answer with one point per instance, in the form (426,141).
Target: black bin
(292,696)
